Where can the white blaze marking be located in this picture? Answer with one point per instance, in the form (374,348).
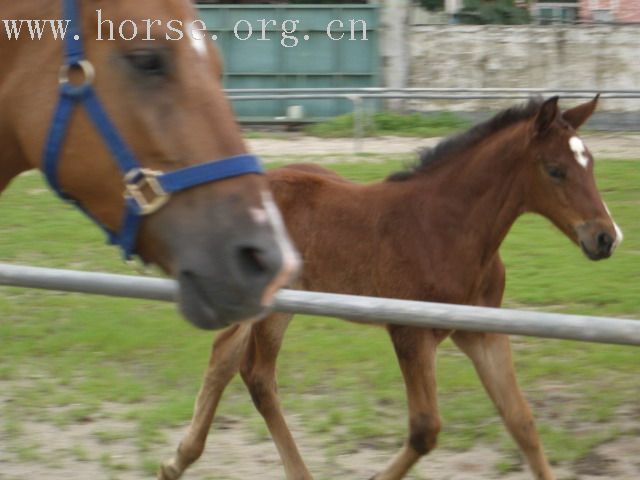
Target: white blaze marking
(259,215)
(290,258)
(579,150)
(619,235)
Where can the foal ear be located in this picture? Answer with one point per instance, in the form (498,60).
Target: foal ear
(547,114)
(576,116)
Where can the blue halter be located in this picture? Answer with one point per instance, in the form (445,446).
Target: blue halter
(146,191)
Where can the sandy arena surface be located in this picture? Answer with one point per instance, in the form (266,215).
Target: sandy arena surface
(605,146)
(76,452)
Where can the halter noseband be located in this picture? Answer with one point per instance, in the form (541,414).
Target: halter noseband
(146,191)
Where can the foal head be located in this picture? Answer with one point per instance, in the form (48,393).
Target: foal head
(223,241)
(562,185)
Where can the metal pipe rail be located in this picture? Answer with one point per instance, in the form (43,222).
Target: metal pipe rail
(421,96)
(358,96)
(413,90)
(357,308)
(420,93)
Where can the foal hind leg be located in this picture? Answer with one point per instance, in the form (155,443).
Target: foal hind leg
(491,356)
(416,350)
(259,374)
(227,353)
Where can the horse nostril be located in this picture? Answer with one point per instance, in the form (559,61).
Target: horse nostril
(251,261)
(255,262)
(605,242)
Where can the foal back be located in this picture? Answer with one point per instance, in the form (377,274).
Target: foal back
(346,232)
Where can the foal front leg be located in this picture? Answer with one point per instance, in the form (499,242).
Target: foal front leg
(416,351)
(259,374)
(227,353)
(491,356)
(12,154)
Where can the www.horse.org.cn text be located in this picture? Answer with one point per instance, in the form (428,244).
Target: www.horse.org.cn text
(290,33)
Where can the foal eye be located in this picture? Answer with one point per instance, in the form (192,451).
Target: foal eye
(148,62)
(556,172)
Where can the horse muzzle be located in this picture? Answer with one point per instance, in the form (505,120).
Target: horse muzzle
(597,239)
(231,274)
(243,287)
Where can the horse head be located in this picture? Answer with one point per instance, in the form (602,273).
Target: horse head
(563,186)
(161,91)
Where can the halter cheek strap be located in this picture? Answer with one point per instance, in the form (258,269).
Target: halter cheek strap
(145,190)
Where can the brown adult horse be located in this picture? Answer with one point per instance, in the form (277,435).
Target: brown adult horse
(224,241)
(431,233)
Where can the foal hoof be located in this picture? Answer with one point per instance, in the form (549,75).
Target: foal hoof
(168,472)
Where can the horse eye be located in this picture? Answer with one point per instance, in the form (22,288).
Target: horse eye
(149,62)
(556,172)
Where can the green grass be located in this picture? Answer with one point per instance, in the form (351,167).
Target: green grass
(387,123)
(65,355)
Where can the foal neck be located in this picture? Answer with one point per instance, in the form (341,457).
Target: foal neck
(479,190)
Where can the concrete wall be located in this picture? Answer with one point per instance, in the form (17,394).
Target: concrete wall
(595,57)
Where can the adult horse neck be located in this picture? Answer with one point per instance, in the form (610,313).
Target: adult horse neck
(164,130)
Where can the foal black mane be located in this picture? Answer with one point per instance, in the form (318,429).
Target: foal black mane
(461,141)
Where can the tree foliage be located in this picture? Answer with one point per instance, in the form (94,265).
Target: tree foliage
(483,12)
(432,5)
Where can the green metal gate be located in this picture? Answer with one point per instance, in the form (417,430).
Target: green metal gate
(316,61)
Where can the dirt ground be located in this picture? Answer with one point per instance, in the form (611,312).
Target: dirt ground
(602,145)
(76,452)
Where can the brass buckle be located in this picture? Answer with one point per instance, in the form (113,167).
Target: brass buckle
(143,187)
(85,66)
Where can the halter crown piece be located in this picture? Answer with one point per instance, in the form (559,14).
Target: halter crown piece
(145,191)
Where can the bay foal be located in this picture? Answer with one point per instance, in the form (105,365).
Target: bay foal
(430,233)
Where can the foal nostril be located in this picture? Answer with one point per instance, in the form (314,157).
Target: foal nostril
(605,242)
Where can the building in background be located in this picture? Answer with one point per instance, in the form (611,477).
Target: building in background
(586,11)
(551,11)
(548,12)
(613,11)
(262,2)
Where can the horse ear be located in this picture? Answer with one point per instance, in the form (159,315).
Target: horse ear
(547,114)
(576,116)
